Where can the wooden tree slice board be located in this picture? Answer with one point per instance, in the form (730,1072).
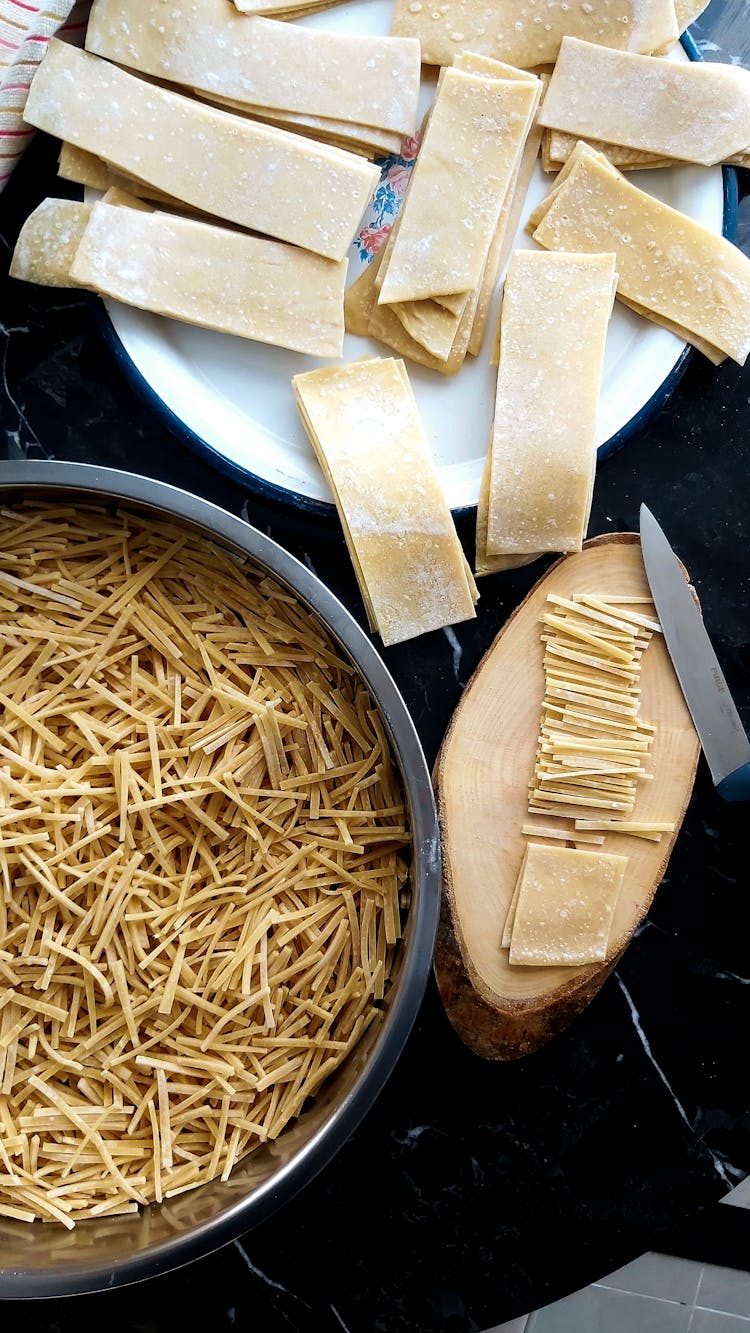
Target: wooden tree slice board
(482,777)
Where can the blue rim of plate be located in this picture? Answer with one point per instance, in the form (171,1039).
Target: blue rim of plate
(268,490)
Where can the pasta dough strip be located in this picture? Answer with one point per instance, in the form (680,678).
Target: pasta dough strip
(214,277)
(557,148)
(343,133)
(365,428)
(207,45)
(543,446)
(282,8)
(673,269)
(267,179)
(426,322)
(528,33)
(690,111)
(466,163)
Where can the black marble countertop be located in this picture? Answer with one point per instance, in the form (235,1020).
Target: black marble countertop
(473,1192)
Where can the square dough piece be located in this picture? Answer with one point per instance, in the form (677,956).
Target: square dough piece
(466,164)
(543,445)
(566,901)
(527,33)
(214,277)
(208,45)
(669,267)
(365,428)
(257,176)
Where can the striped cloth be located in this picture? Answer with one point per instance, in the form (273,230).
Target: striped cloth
(25,29)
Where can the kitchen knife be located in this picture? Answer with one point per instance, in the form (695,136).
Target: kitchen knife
(721,733)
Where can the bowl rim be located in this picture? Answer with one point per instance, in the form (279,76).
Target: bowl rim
(50,479)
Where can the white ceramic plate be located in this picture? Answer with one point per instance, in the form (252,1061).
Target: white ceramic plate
(232,399)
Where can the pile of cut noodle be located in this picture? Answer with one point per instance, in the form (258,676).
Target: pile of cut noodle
(201,851)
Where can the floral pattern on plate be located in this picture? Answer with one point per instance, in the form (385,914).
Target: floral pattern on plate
(386,201)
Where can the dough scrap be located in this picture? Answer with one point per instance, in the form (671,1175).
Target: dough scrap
(557,147)
(467,160)
(48,241)
(671,267)
(364,317)
(75,164)
(345,134)
(214,277)
(207,44)
(689,111)
(581,152)
(688,11)
(543,445)
(502,245)
(510,915)
(360,299)
(510,214)
(364,425)
(385,324)
(528,33)
(283,9)
(257,176)
(565,905)
(120,198)
(387,328)
(431,325)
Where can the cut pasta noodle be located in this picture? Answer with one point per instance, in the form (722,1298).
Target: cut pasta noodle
(202,853)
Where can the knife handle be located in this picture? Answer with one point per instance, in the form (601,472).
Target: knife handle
(736,786)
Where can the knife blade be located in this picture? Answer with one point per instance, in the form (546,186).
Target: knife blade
(720,730)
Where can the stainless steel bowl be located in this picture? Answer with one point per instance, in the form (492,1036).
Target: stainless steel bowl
(41,1259)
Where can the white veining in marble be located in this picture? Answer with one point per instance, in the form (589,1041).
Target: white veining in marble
(722,1169)
(410,1136)
(258,1272)
(14,437)
(457,650)
(337,1316)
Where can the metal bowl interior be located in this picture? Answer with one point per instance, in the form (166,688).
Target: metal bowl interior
(41,1259)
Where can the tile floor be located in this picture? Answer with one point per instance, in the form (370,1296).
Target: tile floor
(654,1294)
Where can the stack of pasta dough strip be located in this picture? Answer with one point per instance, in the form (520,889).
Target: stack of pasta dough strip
(591,756)
(538,479)
(430,294)
(358,91)
(272,157)
(225,280)
(409,563)
(670,268)
(643,111)
(201,856)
